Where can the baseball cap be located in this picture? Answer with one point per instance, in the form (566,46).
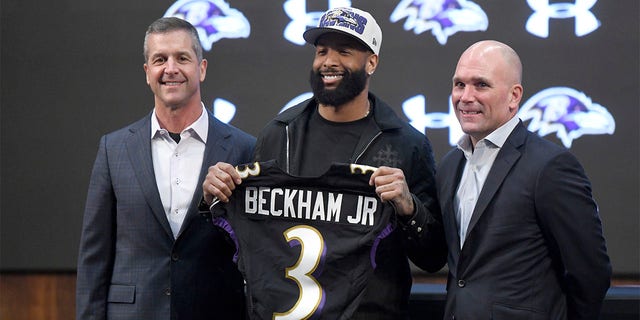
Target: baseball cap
(351,21)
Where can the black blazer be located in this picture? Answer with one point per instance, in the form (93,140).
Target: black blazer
(129,265)
(534,247)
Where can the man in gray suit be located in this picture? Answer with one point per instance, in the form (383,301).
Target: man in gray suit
(524,235)
(146,252)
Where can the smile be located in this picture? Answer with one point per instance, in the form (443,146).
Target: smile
(332,76)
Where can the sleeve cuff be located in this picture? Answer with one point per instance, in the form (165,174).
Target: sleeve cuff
(203,206)
(415,225)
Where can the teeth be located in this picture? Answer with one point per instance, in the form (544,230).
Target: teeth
(469,112)
(332,77)
(172,83)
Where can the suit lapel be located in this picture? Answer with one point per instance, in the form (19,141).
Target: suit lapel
(453,168)
(139,150)
(217,149)
(507,157)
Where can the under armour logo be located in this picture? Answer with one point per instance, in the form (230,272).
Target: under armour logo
(223,110)
(585,20)
(414,108)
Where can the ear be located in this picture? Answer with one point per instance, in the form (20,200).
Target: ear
(372,64)
(516,96)
(146,72)
(203,69)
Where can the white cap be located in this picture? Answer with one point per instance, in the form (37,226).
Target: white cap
(351,21)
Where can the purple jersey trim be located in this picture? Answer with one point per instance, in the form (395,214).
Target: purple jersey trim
(383,234)
(224,224)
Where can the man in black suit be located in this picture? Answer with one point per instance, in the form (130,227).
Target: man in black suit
(146,252)
(524,235)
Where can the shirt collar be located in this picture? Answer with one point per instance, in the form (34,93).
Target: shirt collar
(497,138)
(200,127)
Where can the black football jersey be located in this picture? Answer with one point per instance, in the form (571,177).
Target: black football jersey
(306,245)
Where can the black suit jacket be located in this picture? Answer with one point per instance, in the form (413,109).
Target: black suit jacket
(129,265)
(534,247)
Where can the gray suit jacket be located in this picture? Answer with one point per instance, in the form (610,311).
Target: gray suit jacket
(129,265)
(534,247)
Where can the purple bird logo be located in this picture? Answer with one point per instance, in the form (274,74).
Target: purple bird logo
(443,17)
(567,112)
(213,19)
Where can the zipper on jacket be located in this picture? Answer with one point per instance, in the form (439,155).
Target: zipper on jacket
(287,147)
(367,146)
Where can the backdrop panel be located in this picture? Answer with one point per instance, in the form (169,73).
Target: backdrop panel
(72,71)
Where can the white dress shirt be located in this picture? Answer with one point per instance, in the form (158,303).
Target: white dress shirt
(177,166)
(479,162)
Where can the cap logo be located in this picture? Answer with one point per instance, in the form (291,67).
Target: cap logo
(344,19)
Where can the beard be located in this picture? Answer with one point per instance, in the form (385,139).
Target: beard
(350,86)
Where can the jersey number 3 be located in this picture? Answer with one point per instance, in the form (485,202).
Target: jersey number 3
(311,249)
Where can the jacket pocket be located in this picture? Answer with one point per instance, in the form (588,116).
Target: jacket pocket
(120,293)
(505,312)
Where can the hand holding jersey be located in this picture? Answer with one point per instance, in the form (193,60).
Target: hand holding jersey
(220,182)
(392,186)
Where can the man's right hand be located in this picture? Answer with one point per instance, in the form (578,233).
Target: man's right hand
(220,181)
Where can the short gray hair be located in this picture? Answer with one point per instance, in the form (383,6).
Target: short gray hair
(168,24)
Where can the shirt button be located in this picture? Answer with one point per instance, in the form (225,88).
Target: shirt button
(167,291)
(461,283)
(174,256)
(413,222)
(419,229)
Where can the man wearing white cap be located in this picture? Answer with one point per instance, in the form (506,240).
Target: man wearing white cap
(346,123)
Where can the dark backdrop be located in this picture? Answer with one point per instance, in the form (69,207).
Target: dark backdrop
(72,71)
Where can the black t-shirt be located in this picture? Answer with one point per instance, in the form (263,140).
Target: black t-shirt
(329,142)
